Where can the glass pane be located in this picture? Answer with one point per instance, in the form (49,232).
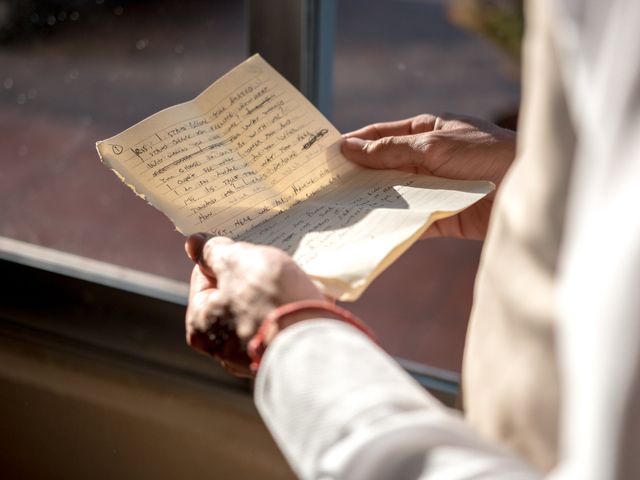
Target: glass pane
(73,72)
(396,59)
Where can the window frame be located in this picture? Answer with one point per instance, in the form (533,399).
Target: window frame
(110,313)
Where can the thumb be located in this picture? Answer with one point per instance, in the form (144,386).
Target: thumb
(200,248)
(387,152)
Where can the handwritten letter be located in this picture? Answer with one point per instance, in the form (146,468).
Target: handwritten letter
(252,159)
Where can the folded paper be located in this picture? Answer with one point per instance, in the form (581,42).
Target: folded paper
(250,158)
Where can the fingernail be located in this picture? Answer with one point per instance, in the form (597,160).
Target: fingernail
(354,143)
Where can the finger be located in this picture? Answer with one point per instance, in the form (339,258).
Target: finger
(408,126)
(388,152)
(194,244)
(206,259)
(200,282)
(240,370)
(234,358)
(202,320)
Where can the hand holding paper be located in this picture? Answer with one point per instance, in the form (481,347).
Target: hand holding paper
(252,159)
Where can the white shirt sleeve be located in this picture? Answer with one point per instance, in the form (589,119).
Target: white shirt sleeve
(341,408)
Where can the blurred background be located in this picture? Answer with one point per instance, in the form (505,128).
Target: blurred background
(76,71)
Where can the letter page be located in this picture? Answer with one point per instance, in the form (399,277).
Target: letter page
(252,159)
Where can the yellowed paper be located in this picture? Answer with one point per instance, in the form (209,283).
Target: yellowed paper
(252,159)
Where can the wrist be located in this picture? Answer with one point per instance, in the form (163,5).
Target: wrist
(279,321)
(289,314)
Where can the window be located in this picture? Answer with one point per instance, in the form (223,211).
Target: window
(393,60)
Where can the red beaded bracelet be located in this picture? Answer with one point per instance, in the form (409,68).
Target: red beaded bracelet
(257,345)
